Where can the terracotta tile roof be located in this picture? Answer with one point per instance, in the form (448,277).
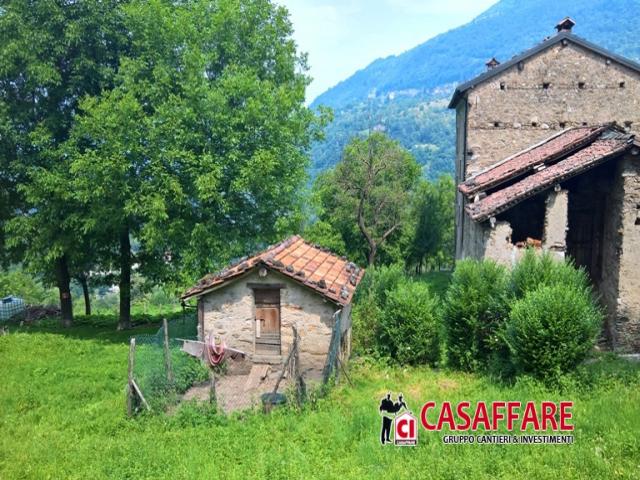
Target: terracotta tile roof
(315,267)
(609,143)
(546,151)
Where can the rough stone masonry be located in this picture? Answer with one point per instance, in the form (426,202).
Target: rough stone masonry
(591,215)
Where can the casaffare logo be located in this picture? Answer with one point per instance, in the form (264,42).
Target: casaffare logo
(396,416)
(497,422)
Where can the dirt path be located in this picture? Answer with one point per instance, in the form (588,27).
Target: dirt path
(231,394)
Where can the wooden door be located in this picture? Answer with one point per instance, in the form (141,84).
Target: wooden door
(267,301)
(586,232)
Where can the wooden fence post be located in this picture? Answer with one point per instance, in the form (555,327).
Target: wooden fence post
(130,391)
(212,388)
(167,353)
(300,387)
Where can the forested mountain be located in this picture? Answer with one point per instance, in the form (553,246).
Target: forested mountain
(405,94)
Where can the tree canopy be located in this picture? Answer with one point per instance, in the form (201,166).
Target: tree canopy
(371,188)
(52,55)
(431,238)
(178,141)
(375,207)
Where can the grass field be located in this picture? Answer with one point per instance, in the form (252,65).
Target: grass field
(62,416)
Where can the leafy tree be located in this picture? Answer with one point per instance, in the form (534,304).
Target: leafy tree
(432,238)
(46,234)
(371,188)
(333,221)
(53,53)
(15,281)
(199,151)
(322,233)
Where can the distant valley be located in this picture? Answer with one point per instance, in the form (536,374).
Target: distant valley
(407,95)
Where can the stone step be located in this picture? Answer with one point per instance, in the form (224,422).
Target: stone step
(268,359)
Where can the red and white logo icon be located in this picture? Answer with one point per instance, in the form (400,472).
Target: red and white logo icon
(406,430)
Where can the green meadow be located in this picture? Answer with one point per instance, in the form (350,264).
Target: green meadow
(62,415)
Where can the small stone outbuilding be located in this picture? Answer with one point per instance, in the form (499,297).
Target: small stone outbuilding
(254,304)
(546,157)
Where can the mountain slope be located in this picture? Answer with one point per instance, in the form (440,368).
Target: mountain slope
(403,94)
(504,30)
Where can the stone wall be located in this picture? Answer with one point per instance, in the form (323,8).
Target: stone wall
(494,242)
(561,87)
(627,320)
(498,246)
(230,312)
(612,247)
(461,140)
(556,222)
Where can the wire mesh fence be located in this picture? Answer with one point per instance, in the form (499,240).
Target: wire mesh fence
(160,370)
(242,385)
(339,348)
(334,349)
(161,373)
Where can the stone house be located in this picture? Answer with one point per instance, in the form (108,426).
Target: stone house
(546,157)
(254,304)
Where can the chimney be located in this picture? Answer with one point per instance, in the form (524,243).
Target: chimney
(565,25)
(493,63)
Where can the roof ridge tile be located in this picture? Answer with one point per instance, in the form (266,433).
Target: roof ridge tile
(344,275)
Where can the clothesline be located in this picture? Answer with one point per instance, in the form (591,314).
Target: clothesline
(232,352)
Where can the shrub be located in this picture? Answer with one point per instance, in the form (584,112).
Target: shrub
(535,270)
(476,305)
(19,283)
(409,329)
(378,281)
(396,317)
(369,303)
(366,316)
(552,329)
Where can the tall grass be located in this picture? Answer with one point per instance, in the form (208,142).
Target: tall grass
(62,415)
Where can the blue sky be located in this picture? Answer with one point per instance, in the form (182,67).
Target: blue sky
(342,36)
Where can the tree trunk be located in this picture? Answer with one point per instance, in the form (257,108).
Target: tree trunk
(85,291)
(373,250)
(124,321)
(63,282)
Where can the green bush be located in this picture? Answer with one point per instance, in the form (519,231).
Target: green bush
(30,288)
(378,281)
(552,329)
(535,270)
(366,316)
(396,316)
(369,303)
(475,308)
(409,329)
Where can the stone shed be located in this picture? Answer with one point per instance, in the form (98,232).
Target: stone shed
(254,303)
(546,157)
